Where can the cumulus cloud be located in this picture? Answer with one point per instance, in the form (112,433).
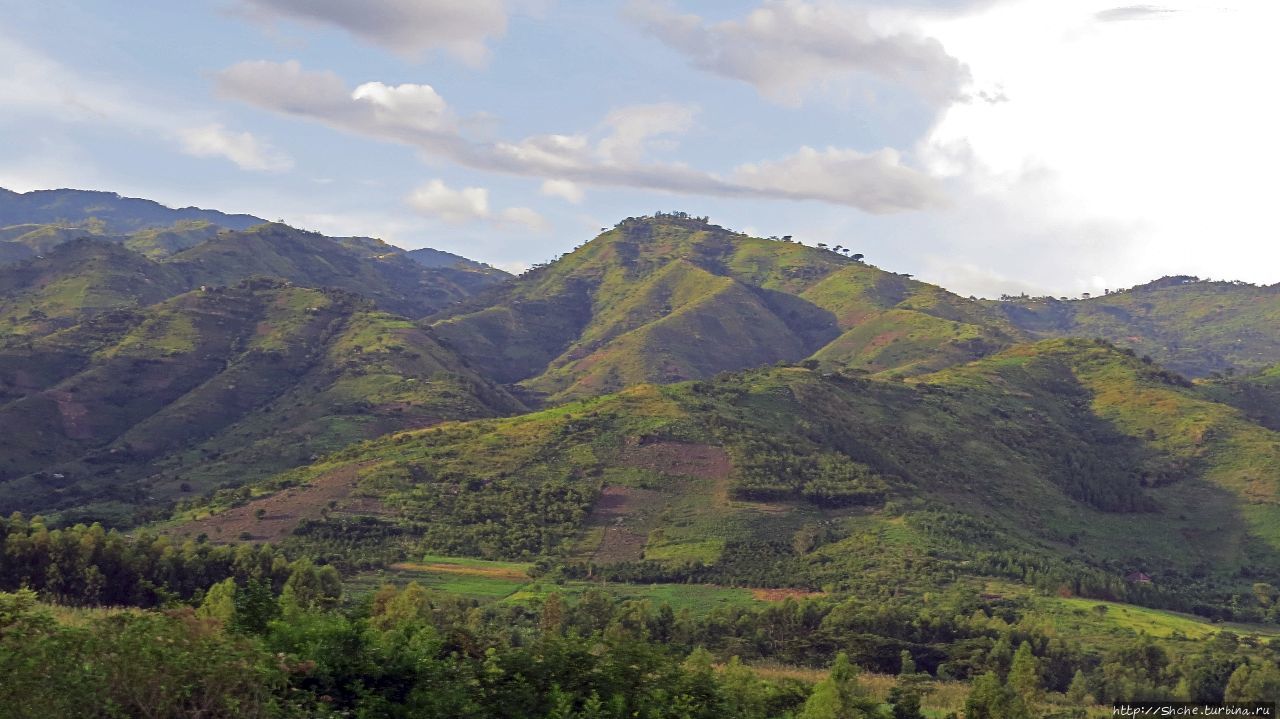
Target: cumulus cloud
(787,48)
(406,27)
(615,153)
(563,189)
(242,148)
(437,200)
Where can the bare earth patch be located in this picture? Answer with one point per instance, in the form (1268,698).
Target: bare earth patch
(283,511)
(73,415)
(692,460)
(624,513)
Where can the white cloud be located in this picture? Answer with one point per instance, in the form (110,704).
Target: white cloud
(1119,155)
(879,179)
(406,27)
(563,189)
(437,200)
(413,106)
(788,48)
(242,148)
(42,87)
(523,218)
(632,130)
(613,154)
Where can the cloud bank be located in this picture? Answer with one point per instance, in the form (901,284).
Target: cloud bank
(616,153)
(788,48)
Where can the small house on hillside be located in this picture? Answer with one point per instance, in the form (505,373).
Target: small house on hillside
(1137,578)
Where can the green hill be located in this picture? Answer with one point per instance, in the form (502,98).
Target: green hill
(77,280)
(671,297)
(1192,326)
(1090,464)
(221,387)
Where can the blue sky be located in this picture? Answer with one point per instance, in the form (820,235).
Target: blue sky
(987,145)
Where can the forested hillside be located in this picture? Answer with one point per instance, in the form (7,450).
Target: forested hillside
(403,483)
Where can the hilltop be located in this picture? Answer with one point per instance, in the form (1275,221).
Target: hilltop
(661,299)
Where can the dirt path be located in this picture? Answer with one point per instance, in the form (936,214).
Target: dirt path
(284,510)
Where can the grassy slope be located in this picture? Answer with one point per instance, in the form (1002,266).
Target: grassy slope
(1258,395)
(1193,327)
(1073,433)
(216,387)
(78,280)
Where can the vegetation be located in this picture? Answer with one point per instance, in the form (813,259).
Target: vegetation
(677,472)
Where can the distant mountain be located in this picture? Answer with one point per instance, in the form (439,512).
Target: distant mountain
(428,257)
(1190,325)
(78,279)
(112,213)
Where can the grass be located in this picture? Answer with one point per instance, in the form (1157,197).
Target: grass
(1100,622)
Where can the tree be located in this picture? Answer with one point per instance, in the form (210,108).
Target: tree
(1024,674)
(1078,691)
(905,700)
(220,602)
(255,607)
(1254,684)
(990,699)
(552,621)
(840,695)
(906,665)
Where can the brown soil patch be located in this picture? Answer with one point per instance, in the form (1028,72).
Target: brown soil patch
(693,460)
(445,568)
(284,510)
(778,595)
(624,513)
(74,415)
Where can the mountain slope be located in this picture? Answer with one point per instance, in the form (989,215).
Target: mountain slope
(215,387)
(670,297)
(1191,326)
(1090,464)
(77,280)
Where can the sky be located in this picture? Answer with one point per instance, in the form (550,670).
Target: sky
(990,146)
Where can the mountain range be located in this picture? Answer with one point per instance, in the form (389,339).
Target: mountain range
(670,401)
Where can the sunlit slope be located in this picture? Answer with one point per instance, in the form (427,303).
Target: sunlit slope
(667,298)
(1067,463)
